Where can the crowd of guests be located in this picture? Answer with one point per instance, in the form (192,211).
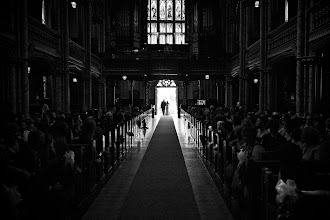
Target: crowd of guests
(264,136)
(37,177)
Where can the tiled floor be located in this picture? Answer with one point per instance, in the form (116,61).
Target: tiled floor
(110,200)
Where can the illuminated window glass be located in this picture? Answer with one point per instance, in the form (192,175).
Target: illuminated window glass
(183,10)
(44,83)
(166,21)
(162,39)
(43,12)
(178,10)
(162,28)
(169,39)
(178,28)
(169,10)
(153,39)
(169,28)
(166,83)
(286,12)
(153,27)
(162,10)
(153,10)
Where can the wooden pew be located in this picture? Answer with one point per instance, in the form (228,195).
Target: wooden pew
(313,175)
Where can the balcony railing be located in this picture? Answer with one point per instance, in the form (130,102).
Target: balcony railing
(146,55)
(319,16)
(253,51)
(43,35)
(234,61)
(96,62)
(283,35)
(76,51)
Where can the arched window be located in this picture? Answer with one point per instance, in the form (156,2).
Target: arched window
(166,83)
(166,22)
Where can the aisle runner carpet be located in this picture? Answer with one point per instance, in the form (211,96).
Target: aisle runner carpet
(161,188)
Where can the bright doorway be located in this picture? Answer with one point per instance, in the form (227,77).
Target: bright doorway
(168,94)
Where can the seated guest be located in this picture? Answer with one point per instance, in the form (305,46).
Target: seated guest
(310,139)
(324,150)
(290,156)
(245,181)
(254,150)
(273,140)
(261,126)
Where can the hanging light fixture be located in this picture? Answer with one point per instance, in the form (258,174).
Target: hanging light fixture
(255,80)
(74,80)
(74,4)
(124,77)
(256,4)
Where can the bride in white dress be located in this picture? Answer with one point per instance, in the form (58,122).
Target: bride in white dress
(166,108)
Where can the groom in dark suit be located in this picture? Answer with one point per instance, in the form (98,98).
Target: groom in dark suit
(163,106)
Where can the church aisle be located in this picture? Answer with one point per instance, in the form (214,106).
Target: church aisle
(159,179)
(210,203)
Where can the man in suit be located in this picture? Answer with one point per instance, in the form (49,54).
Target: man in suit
(163,106)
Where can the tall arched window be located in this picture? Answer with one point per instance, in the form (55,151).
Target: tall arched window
(166,22)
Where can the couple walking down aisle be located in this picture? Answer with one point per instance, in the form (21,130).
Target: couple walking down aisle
(164,105)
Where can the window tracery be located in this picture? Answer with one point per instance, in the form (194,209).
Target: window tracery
(166,22)
(166,83)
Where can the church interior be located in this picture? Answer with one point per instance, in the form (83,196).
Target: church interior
(212,61)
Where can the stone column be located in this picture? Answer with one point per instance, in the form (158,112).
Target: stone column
(58,91)
(248,18)
(318,85)
(111,92)
(132,93)
(65,57)
(115,84)
(86,91)
(242,50)
(146,93)
(102,93)
(108,93)
(88,80)
(305,85)
(269,15)
(184,93)
(12,94)
(246,93)
(269,90)
(217,85)
(263,54)
(265,73)
(300,53)
(199,90)
(229,92)
(24,54)
(222,95)
(311,87)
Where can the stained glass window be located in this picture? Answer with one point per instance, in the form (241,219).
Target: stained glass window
(153,10)
(162,28)
(162,13)
(169,39)
(153,27)
(170,28)
(169,10)
(166,21)
(162,39)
